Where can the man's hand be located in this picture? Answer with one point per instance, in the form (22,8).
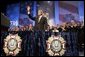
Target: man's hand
(28,8)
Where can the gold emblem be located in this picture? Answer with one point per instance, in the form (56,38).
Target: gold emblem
(55,46)
(12,44)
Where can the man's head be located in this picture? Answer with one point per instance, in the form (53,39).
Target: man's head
(30,26)
(40,12)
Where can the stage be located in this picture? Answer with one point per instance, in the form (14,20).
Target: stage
(42,28)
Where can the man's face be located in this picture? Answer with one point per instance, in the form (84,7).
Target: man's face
(39,12)
(30,25)
(72,21)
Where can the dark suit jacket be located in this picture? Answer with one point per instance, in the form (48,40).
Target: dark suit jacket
(41,25)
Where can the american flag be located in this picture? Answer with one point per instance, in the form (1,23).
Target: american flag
(68,10)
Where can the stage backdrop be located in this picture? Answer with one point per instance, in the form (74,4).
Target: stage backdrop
(58,11)
(24,18)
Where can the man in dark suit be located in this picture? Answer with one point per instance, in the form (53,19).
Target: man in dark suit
(40,20)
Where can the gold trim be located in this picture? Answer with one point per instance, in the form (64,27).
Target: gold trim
(18,45)
(54,38)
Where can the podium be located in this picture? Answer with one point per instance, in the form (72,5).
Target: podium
(34,43)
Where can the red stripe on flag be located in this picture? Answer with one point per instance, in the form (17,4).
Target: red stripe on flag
(68,7)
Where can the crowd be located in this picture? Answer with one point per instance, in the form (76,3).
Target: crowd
(65,27)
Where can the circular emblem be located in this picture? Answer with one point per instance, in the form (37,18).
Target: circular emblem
(55,46)
(12,44)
